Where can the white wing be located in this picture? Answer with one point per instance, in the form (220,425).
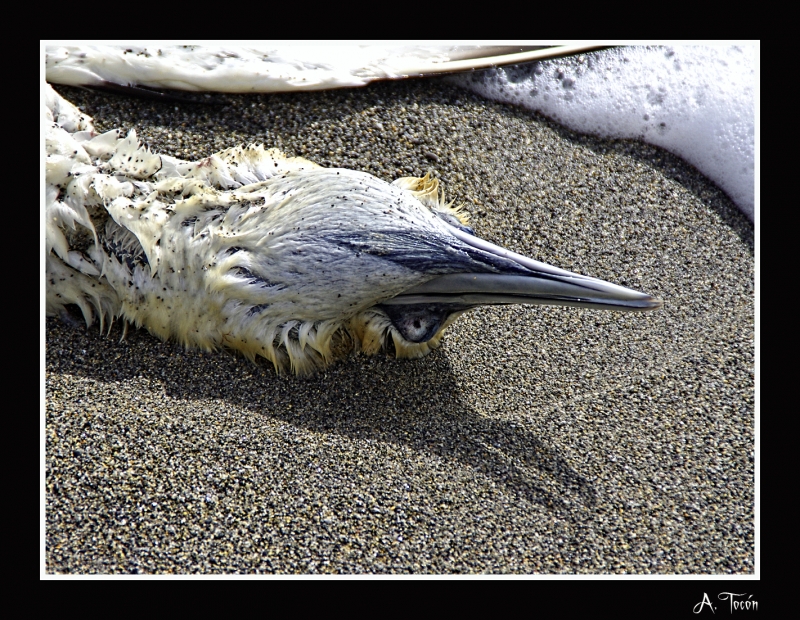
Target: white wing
(274,68)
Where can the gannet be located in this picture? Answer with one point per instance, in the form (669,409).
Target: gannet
(270,255)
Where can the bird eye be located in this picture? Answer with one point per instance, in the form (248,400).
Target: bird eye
(419,328)
(417,322)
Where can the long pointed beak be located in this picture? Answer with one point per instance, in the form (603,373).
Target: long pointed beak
(544,284)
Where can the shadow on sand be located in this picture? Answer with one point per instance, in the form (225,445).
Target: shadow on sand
(379,399)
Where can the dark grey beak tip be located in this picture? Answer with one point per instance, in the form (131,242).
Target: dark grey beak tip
(652,303)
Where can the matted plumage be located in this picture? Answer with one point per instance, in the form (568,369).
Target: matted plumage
(270,255)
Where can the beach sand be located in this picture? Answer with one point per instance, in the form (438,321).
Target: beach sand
(535,440)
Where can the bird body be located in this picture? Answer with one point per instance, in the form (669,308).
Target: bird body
(271,255)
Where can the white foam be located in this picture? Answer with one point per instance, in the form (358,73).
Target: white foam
(697,102)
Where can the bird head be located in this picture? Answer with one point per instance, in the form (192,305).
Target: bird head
(463,271)
(307,262)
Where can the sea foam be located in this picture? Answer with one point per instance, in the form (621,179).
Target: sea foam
(697,102)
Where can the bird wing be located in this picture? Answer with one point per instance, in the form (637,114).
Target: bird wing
(275,68)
